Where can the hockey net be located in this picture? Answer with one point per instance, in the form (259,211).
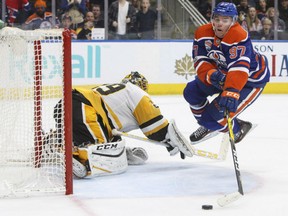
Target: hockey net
(35,74)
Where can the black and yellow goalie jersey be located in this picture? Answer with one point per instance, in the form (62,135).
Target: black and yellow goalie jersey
(132,108)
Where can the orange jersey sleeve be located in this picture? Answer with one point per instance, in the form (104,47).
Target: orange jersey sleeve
(204,37)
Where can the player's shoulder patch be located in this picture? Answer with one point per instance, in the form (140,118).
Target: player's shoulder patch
(236,34)
(204,31)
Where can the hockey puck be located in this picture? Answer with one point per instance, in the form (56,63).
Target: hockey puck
(207,207)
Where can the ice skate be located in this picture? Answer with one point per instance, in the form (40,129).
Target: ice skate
(245,128)
(202,134)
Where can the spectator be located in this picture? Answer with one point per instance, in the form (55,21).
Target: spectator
(86,32)
(76,9)
(91,3)
(40,19)
(254,23)
(136,5)
(17,11)
(252,3)
(242,20)
(98,18)
(66,22)
(267,32)
(271,12)
(283,12)
(145,21)
(262,9)
(122,16)
(89,16)
(243,6)
(205,9)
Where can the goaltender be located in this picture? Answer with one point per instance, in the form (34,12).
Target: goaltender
(123,107)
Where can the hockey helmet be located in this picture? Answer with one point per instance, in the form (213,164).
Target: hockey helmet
(137,79)
(226,9)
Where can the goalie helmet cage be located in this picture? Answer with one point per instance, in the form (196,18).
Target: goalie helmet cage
(35,156)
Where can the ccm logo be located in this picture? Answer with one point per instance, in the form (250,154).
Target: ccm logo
(106,146)
(232,94)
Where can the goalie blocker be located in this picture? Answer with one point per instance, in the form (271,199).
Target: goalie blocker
(177,141)
(111,158)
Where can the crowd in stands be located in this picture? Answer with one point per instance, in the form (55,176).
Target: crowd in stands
(134,19)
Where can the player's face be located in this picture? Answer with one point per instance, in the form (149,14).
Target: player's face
(221,25)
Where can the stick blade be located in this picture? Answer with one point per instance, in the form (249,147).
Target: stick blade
(229,198)
(224,147)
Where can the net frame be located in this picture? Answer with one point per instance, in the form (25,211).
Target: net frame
(38,100)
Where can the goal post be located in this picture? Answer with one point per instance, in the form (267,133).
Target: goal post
(35,74)
(68,110)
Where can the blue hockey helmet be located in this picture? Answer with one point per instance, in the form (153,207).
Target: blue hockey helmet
(226,9)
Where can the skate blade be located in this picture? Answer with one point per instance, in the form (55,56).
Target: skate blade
(215,133)
(209,136)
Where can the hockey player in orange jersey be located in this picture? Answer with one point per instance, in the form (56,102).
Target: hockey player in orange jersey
(122,106)
(226,66)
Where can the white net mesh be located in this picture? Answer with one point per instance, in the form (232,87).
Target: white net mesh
(31,84)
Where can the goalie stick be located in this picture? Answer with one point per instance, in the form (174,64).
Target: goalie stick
(221,155)
(229,198)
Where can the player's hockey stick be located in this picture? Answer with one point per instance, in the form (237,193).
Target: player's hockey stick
(229,198)
(201,153)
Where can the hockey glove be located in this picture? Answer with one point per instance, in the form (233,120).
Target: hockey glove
(136,156)
(216,78)
(229,100)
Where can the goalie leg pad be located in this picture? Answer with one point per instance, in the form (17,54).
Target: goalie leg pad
(79,170)
(104,159)
(136,156)
(178,140)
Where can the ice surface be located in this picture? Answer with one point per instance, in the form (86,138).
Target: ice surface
(170,186)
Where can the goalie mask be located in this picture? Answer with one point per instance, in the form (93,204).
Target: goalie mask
(137,79)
